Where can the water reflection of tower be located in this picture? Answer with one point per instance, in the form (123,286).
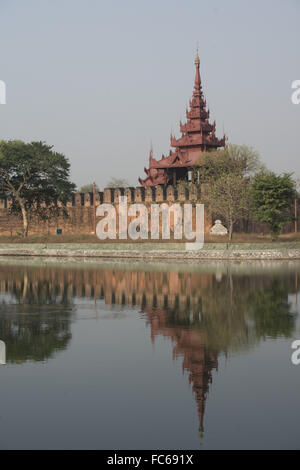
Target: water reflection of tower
(172,303)
(189,344)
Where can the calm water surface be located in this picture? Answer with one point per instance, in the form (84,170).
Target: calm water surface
(155,356)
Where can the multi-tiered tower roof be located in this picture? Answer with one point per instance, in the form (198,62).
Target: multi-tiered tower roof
(198,136)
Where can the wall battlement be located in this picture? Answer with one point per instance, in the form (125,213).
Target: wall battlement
(81,207)
(81,210)
(159,193)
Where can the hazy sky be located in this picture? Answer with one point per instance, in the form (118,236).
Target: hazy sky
(100,80)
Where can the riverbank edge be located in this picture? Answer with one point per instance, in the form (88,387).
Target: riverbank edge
(221,251)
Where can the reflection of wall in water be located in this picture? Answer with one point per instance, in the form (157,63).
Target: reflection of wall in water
(151,288)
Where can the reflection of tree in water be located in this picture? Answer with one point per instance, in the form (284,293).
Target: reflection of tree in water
(204,314)
(36,337)
(38,324)
(270,311)
(241,310)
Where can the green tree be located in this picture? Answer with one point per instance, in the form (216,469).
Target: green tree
(271,198)
(88,188)
(233,159)
(35,178)
(117,183)
(227,198)
(224,176)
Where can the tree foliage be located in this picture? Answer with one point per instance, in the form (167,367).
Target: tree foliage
(234,159)
(35,178)
(226,175)
(271,197)
(117,183)
(88,188)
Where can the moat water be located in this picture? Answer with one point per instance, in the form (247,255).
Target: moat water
(103,355)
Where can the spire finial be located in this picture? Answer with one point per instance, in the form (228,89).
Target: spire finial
(197,60)
(151,150)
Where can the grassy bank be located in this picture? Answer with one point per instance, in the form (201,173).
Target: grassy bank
(90,238)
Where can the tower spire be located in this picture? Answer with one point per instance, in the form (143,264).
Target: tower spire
(198,136)
(197,60)
(197,83)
